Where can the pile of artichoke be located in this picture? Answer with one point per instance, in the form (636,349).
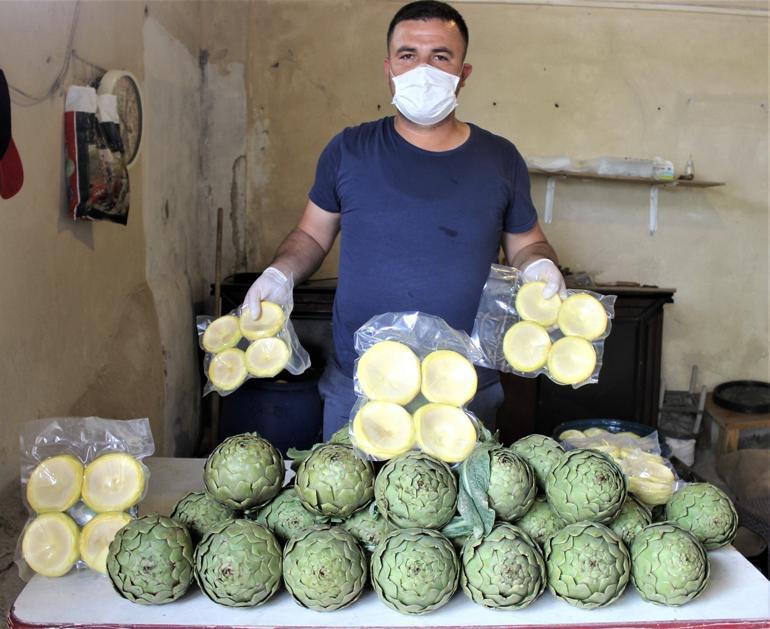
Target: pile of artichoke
(503,526)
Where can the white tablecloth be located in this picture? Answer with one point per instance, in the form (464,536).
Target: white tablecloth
(736,591)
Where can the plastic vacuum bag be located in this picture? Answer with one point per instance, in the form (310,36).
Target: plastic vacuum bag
(298,358)
(77,442)
(497,314)
(425,336)
(651,477)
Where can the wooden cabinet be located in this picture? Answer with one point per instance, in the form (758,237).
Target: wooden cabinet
(629,381)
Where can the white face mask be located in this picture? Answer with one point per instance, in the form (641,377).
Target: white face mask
(425,95)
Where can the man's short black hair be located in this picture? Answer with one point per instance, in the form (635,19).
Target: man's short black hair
(429,10)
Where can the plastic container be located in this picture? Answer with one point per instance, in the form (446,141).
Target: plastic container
(614,425)
(288,412)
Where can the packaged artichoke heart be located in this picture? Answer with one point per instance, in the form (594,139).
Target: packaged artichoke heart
(82,479)
(519,332)
(239,347)
(651,477)
(414,378)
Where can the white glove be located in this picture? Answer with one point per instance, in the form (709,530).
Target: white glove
(273,286)
(544,270)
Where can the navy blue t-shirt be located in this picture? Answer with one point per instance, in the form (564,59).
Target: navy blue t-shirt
(419,228)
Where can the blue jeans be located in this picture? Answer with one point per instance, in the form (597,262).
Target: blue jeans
(338,395)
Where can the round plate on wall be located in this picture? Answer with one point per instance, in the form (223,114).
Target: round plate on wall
(124,86)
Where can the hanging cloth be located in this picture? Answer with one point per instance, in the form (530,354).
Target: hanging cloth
(11,171)
(97,176)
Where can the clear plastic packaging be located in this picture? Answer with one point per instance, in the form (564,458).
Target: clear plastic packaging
(651,477)
(424,335)
(497,314)
(593,437)
(656,168)
(298,358)
(43,442)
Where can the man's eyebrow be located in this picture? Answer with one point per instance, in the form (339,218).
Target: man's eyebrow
(443,49)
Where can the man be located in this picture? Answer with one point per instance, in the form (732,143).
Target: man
(423,202)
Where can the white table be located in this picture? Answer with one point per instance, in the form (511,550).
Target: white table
(737,596)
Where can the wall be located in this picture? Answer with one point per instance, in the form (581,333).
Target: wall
(176,269)
(563,81)
(97,317)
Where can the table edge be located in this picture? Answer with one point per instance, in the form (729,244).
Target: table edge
(749,623)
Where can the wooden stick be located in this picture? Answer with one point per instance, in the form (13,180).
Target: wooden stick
(215,399)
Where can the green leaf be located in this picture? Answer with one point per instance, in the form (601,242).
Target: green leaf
(457,527)
(472,501)
(486,436)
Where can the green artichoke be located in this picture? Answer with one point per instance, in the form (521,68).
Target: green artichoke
(669,566)
(333,481)
(150,560)
(414,571)
(503,570)
(586,485)
(588,565)
(324,568)
(199,512)
(512,487)
(416,490)
(541,521)
(541,452)
(285,516)
(244,471)
(238,564)
(705,511)
(368,527)
(634,515)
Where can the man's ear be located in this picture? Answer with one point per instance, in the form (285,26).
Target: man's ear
(464,74)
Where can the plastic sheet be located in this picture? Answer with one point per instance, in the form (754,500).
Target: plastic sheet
(86,439)
(497,314)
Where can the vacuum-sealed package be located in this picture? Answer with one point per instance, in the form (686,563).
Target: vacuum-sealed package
(518,331)
(414,377)
(239,347)
(82,479)
(651,477)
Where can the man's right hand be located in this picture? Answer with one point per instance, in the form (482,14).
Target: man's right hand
(271,285)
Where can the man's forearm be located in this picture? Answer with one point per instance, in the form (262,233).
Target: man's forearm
(300,255)
(530,253)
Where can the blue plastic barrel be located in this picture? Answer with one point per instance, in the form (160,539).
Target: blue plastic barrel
(287,411)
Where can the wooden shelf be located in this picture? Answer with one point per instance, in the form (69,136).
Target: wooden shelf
(685,183)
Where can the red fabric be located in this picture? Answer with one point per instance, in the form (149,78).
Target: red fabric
(11,172)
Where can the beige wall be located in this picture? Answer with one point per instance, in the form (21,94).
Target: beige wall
(627,83)
(96,317)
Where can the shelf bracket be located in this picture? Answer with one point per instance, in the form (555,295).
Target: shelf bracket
(550,189)
(653,209)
